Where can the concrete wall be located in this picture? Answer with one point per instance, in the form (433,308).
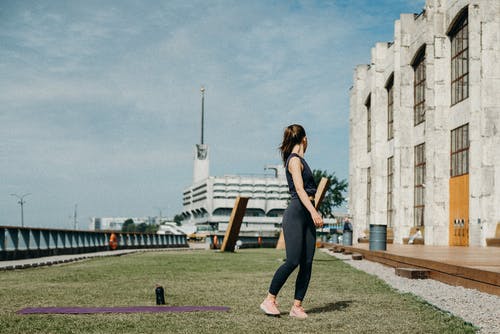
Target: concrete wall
(481,110)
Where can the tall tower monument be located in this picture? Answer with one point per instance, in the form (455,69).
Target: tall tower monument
(201,161)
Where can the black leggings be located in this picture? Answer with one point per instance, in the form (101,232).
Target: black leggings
(300,243)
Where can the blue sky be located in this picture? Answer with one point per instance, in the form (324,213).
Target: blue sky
(100,100)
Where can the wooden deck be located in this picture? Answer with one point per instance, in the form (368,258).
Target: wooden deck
(470,267)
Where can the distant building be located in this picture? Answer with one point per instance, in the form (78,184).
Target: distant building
(172,228)
(425,126)
(116,223)
(208,203)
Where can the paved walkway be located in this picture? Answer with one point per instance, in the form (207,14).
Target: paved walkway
(52,260)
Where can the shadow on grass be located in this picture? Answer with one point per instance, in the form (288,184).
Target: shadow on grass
(330,307)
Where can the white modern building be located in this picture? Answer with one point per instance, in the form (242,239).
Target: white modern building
(172,228)
(208,203)
(425,126)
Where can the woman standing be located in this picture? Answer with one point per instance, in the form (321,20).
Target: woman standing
(299,223)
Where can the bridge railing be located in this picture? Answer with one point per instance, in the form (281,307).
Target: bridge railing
(27,242)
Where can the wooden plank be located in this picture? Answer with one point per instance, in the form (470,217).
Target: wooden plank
(451,269)
(466,283)
(494,242)
(324,183)
(281,241)
(233,228)
(450,273)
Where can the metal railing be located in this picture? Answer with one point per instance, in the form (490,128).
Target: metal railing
(25,242)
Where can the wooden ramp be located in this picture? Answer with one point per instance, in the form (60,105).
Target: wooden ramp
(470,267)
(233,229)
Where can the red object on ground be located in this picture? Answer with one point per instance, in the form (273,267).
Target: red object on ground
(113,241)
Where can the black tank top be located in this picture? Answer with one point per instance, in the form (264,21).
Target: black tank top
(307,178)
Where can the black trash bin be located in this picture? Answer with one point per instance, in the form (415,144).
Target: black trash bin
(347,238)
(335,238)
(378,237)
(347,234)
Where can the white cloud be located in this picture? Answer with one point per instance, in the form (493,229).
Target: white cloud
(100,100)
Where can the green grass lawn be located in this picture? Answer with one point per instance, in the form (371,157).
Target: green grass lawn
(340,299)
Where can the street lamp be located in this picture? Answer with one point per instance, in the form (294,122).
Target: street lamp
(21,202)
(161,215)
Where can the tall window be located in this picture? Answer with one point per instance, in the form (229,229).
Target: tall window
(368,124)
(390,174)
(459,36)
(368,194)
(460,151)
(419,87)
(419,186)
(390,110)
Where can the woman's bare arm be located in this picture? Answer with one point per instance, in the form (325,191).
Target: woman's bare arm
(295,168)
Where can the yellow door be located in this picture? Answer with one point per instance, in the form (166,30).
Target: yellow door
(459,210)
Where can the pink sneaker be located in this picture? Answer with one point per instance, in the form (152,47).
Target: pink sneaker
(270,307)
(298,312)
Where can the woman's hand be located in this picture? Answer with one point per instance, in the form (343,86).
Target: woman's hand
(317,219)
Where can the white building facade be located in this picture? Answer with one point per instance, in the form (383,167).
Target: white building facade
(425,127)
(208,203)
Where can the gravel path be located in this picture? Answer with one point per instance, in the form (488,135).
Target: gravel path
(479,308)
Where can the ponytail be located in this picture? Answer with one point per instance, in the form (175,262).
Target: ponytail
(293,135)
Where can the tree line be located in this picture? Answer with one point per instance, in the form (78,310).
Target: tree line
(130,226)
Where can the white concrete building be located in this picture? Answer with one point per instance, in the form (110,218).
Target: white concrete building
(425,123)
(172,228)
(208,203)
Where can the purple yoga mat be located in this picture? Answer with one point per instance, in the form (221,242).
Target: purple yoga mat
(127,309)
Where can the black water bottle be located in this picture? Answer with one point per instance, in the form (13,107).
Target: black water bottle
(160,295)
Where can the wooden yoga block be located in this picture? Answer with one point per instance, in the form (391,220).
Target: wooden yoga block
(338,250)
(494,242)
(233,228)
(357,256)
(413,273)
(318,198)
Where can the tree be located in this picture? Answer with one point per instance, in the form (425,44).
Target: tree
(128,225)
(142,227)
(152,228)
(178,219)
(334,196)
